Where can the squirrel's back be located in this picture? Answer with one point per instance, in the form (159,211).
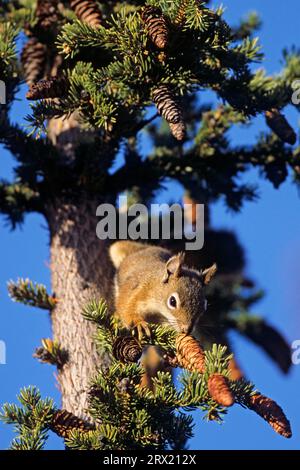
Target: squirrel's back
(143,266)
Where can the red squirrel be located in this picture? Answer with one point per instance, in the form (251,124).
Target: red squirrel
(153,286)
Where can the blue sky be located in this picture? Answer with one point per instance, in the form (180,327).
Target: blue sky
(268,229)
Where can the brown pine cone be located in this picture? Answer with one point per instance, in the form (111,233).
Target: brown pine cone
(280,126)
(219,390)
(127,349)
(178,130)
(235,373)
(190,354)
(55,87)
(63,422)
(180,17)
(47,13)
(33,59)
(87,11)
(271,413)
(156,26)
(166,104)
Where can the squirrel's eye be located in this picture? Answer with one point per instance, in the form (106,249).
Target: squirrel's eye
(173,301)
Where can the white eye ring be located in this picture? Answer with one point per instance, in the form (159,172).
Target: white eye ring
(173,301)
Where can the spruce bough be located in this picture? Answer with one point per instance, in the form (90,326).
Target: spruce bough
(125,415)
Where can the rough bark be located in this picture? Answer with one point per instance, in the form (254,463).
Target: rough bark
(80,271)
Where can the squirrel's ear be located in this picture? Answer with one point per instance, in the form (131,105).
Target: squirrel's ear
(209,273)
(174,266)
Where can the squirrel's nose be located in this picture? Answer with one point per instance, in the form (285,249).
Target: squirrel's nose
(185,329)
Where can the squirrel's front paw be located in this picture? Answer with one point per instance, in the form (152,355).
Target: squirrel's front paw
(142,329)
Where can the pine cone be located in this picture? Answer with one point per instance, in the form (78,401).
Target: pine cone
(178,130)
(219,390)
(272,413)
(55,87)
(166,104)
(280,126)
(64,422)
(235,372)
(47,13)
(33,59)
(276,171)
(87,11)
(156,26)
(191,208)
(167,107)
(127,349)
(190,354)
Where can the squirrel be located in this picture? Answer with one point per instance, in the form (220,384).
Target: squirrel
(154,286)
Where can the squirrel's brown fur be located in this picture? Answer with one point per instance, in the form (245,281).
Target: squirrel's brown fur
(153,286)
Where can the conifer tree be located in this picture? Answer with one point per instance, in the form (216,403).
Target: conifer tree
(101,75)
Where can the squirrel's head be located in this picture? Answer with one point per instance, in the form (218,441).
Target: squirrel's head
(183,298)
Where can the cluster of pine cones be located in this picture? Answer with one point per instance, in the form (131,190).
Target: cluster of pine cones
(157,29)
(38,62)
(190,356)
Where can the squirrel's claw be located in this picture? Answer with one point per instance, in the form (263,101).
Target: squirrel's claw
(142,329)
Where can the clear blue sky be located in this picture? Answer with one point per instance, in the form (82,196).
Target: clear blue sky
(270,233)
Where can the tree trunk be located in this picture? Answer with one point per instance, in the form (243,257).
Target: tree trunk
(80,270)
